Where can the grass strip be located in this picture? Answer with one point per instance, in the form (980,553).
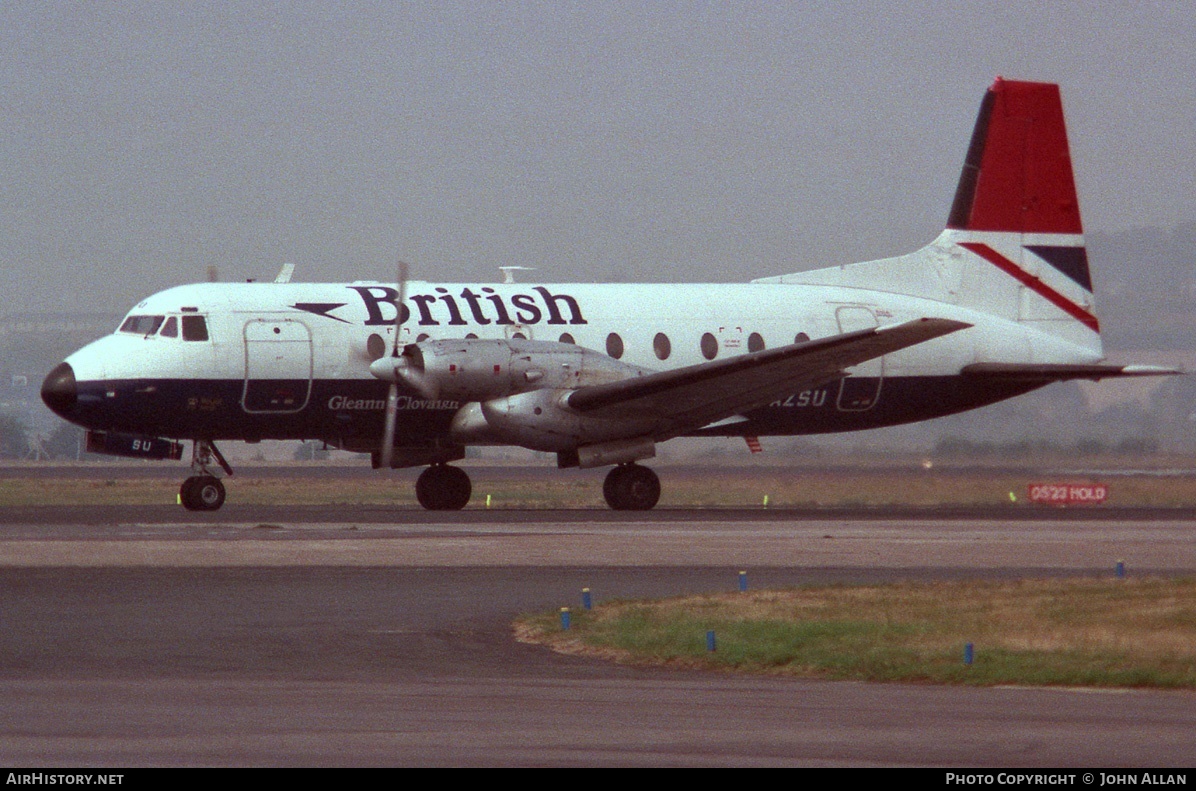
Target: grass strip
(1059,632)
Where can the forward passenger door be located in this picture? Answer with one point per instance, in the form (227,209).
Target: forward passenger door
(278,365)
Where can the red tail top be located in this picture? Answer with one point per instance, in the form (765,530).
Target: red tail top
(1017,175)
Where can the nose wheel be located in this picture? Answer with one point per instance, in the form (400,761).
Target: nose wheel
(630,487)
(443,488)
(202,493)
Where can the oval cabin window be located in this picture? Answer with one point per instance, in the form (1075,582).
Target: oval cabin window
(567,338)
(662,346)
(755,342)
(375,346)
(614,345)
(709,346)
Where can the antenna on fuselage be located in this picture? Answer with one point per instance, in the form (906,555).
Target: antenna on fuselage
(508,272)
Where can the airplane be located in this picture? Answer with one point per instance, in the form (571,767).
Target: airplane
(414,372)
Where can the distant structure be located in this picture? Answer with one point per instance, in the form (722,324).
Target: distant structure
(33,343)
(91,325)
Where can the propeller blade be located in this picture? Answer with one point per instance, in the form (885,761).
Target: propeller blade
(386,453)
(388,434)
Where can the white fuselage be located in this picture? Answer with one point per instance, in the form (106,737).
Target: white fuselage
(292,360)
(636,313)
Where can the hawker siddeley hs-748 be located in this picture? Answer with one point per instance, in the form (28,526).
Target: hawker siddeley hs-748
(414,372)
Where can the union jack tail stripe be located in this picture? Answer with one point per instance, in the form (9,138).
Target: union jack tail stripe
(1034,284)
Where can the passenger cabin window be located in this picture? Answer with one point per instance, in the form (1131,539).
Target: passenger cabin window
(662,346)
(375,347)
(614,345)
(171,328)
(195,328)
(142,325)
(801,337)
(755,342)
(709,346)
(567,338)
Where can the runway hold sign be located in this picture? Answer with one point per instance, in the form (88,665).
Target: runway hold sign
(1068,493)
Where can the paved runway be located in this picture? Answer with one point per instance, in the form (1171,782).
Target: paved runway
(295,636)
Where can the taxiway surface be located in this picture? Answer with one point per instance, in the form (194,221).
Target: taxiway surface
(301,636)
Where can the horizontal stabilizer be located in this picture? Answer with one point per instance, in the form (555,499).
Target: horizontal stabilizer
(1037,372)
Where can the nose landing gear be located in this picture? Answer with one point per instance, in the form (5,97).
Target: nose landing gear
(204,492)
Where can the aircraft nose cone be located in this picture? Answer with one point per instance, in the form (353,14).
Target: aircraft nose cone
(59,391)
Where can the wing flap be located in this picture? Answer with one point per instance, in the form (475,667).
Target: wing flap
(687,398)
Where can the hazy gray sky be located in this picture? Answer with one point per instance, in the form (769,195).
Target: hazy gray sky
(648,141)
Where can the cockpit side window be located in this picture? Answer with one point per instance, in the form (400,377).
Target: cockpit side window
(195,328)
(171,328)
(142,325)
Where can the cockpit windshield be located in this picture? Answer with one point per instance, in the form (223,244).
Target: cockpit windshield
(195,328)
(142,325)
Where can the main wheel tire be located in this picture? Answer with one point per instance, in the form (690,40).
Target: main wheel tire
(630,487)
(611,487)
(443,488)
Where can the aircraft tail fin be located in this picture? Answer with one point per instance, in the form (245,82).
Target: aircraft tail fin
(1014,244)
(1017,175)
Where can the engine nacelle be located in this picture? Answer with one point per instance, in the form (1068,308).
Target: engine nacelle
(540,420)
(474,369)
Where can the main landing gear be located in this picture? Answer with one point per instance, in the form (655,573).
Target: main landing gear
(630,487)
(204,492)
(443,488)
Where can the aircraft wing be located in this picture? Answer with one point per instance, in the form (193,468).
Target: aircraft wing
(1045,372)
(688,398)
